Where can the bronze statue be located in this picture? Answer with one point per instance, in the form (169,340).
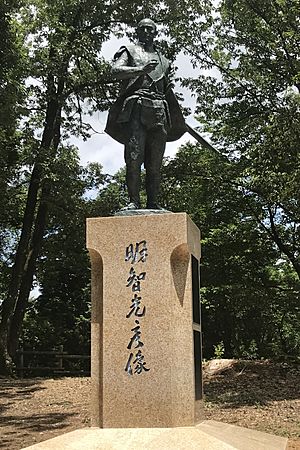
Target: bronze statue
(146,115)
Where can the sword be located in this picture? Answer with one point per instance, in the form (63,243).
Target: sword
(199,138)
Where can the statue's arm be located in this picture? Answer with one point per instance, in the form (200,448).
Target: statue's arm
(121,70)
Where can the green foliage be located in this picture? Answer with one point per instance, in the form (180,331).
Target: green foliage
(250,352)
(219,350)
(247,287)
(12,73)
(60,43)
(60,314)
(249,103)
(245,198)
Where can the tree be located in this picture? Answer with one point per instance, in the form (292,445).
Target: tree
(11,94)
(66,38)
(250,105)
(60,314)
(12,74)
(249,293)
(248,100)
(68,77)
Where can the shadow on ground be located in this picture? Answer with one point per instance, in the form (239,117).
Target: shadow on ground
(13,390)
(32,423)
(16,426)
(252,383)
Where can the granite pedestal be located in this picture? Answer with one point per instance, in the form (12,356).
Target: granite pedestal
(146,346)
(146,352)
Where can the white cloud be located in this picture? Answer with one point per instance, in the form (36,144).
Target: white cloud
(100,147)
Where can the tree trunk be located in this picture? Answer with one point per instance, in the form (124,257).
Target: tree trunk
(9,302)
(35,247)
(25,254)
(6,364)
(27,278)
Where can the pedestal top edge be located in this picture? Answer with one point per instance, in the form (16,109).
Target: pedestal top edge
(139,217)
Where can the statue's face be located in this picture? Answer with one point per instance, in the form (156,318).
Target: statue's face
(146,31)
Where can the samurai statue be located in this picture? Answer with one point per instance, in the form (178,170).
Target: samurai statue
(146,115)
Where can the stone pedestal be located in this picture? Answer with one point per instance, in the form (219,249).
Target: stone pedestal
(146,352)
(146,346)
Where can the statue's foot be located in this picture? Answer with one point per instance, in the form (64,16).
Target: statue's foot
(134,209)
(131,206)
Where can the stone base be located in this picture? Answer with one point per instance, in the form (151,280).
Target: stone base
(146,328)
(208,435)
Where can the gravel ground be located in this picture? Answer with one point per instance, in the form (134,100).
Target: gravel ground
(260,395)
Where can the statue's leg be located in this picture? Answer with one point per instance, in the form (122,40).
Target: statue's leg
(134,158)
(154,152)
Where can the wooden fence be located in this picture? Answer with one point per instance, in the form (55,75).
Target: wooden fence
(28,362)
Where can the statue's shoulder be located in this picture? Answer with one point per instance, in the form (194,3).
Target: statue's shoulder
(120,52)
(136,55)
(130,49)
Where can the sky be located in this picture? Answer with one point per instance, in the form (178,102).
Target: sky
(104,149)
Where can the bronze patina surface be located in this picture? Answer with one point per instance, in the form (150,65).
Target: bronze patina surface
(146,115)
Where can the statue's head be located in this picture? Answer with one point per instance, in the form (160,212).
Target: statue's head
(146,31)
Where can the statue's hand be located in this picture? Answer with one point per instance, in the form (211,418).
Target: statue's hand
(150,66)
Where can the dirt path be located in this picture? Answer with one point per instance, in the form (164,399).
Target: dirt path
(34,410)
(260,395)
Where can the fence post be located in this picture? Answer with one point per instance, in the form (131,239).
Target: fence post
(60,361)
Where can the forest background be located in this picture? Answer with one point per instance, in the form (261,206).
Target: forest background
(244,195)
